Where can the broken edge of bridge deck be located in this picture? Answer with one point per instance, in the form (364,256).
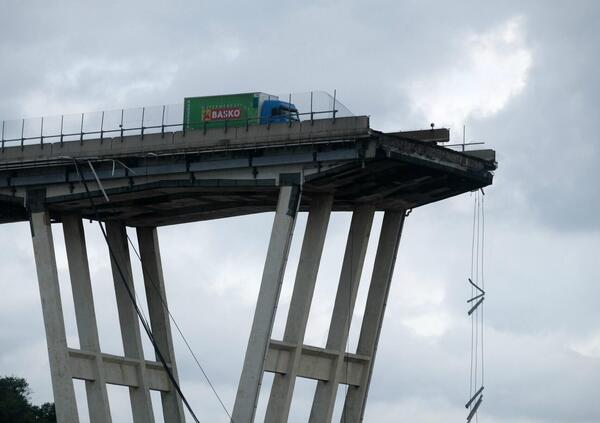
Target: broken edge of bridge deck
(343,156)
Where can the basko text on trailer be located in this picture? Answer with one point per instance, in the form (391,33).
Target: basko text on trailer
(236,110)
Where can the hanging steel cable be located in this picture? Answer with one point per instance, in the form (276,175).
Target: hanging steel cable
(133,298)
(185,341)
(150,277)
(476,303)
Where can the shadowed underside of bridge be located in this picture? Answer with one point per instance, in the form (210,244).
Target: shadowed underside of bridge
(163,179)
(212,177)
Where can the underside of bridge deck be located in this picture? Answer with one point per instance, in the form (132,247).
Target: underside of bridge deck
(154,188)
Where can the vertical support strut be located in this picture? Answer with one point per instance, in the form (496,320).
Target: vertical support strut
(85,315)
(45,261)
(268,297)
(159,316)
(141,404)
(381,278)
(310,257)
(354,258)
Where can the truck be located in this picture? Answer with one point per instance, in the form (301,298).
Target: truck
(236,110)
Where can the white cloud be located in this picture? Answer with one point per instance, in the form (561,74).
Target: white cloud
(419,304)
(86,83)
(491,68)
(419,292)
(431,324)
(588,347)
(415,409)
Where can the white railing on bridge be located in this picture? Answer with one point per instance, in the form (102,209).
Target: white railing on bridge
(141,121)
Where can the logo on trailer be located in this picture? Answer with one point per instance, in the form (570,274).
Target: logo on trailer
(222,113)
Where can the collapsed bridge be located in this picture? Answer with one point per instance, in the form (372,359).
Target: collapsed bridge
(149,180)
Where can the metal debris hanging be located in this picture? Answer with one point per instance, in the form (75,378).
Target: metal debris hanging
(475,311)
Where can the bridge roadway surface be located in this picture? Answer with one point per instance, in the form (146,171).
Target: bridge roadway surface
(164,179)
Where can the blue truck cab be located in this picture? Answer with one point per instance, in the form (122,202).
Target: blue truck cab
(277,111)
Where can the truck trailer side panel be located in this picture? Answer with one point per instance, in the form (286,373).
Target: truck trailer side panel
(217,111)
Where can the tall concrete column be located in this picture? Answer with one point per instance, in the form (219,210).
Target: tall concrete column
(354,258)
(379,289)
(266,305)
(308,267)
(56,338)
(159,316)
(85,314)
(141,403)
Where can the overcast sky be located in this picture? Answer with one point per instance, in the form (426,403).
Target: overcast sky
(521,75)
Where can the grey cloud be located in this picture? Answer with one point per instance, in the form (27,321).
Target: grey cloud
(542,226)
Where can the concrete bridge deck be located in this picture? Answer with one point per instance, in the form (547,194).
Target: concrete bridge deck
(181,177)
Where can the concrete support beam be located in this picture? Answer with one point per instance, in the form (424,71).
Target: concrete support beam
(159,316)
(45,261)
(268,297)
(381,278)
(141,403)
(118,370)
(85,314)
(314,363)
(310,257)
(354,257)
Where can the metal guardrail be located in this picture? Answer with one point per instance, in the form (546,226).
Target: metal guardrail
(145,120)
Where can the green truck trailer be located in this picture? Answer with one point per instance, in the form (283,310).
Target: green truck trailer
(235,110)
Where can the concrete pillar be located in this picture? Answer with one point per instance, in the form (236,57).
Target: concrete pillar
(354,258)
(159,316)
(264,314)
(379,289)
(310,257)
(85,314)
(56,338)
(141,403)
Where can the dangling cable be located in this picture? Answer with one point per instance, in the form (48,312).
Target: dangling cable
(476,309)
(163,301)
(160,296)
(132,297)
(472,295)
(477,237)
(477,285)
(482,277)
